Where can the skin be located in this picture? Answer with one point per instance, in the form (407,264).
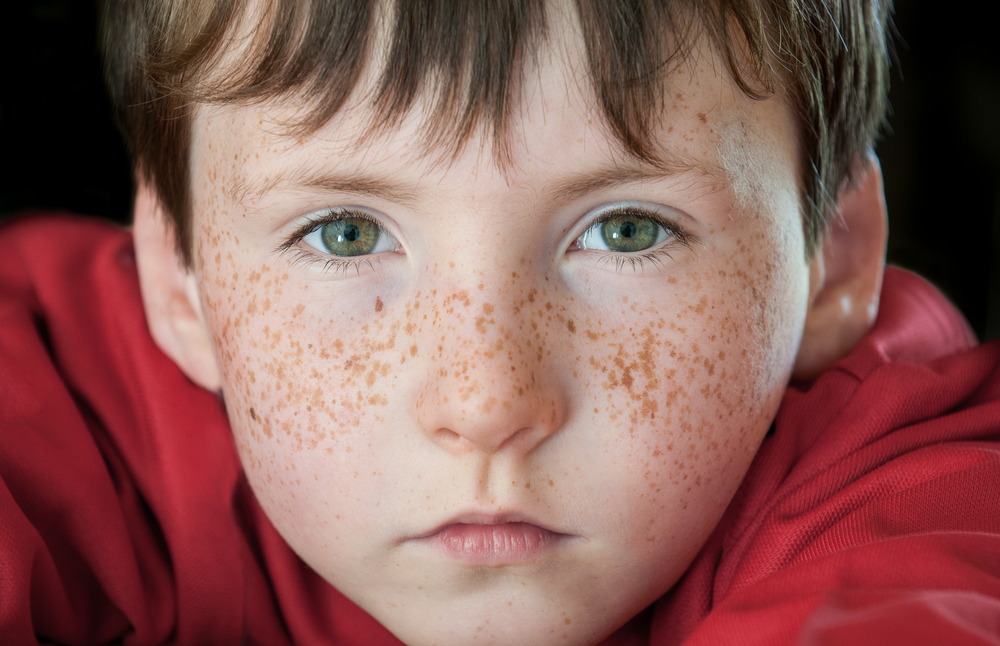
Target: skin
(488,365)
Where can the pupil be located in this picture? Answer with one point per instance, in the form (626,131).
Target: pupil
(627,233)
(350,236)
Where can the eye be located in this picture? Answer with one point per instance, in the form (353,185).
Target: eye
(625,229)
(345,234)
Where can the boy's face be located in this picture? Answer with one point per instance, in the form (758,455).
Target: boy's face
(499,421)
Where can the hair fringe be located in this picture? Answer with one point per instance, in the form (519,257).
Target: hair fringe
(829,57)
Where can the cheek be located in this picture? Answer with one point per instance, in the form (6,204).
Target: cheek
(303,388)
(673,391)
(312,381)
(683,387)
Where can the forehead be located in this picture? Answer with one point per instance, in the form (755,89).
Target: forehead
(707,129)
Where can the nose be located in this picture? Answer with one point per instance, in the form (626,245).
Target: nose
(491,385)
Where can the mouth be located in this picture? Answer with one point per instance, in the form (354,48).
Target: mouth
(493,540)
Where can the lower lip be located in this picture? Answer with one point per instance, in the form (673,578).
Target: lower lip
(499,544)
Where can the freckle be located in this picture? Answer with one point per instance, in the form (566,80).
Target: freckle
(488,307)
(378,304)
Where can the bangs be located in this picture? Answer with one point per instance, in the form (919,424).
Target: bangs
(466,60)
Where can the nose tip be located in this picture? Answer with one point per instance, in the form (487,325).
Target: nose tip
(489,414)
(491,386)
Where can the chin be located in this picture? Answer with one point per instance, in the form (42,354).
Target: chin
(500,626)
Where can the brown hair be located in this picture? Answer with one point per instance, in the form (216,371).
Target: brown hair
(828,57)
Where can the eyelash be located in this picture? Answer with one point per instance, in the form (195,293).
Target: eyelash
(636,260)
(329,263)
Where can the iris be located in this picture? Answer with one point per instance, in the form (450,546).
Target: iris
(350,236)
(627,232)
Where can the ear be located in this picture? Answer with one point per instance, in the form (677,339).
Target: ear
(170,293)
(846,274)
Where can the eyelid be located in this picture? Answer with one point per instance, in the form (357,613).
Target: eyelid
(652,212)
(308,255)
(318,218)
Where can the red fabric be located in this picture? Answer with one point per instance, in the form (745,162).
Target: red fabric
(869,516)
(123,513)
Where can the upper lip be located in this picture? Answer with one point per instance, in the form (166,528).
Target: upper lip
(488,518)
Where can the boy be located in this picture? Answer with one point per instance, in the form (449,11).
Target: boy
(501,303)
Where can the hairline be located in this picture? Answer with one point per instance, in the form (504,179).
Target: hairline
(797,56)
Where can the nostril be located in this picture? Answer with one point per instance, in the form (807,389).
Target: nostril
(483,409)
(451,440)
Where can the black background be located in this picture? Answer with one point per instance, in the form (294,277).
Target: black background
(941,155)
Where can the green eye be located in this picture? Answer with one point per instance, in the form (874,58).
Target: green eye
(346,233)
(350,236)
(627,232)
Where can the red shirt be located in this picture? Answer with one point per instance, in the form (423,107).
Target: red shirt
(870,515)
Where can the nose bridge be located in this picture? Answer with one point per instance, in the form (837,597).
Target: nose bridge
(487,386)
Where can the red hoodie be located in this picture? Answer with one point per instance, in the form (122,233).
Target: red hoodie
(871,514)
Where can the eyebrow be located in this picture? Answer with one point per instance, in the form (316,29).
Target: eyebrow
(624,174)
(325,181)
(561,190)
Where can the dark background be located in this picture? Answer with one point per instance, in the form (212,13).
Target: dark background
(941,155)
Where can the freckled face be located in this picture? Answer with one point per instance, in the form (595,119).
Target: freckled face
(509,408)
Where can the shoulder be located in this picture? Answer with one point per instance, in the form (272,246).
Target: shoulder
(874,500)
(35,241)
(70,311)
(54,266)
(117,475)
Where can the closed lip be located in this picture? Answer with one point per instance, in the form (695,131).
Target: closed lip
(479,518)
(493,539)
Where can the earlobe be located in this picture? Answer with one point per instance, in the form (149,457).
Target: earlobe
(170,293)
(846,275)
